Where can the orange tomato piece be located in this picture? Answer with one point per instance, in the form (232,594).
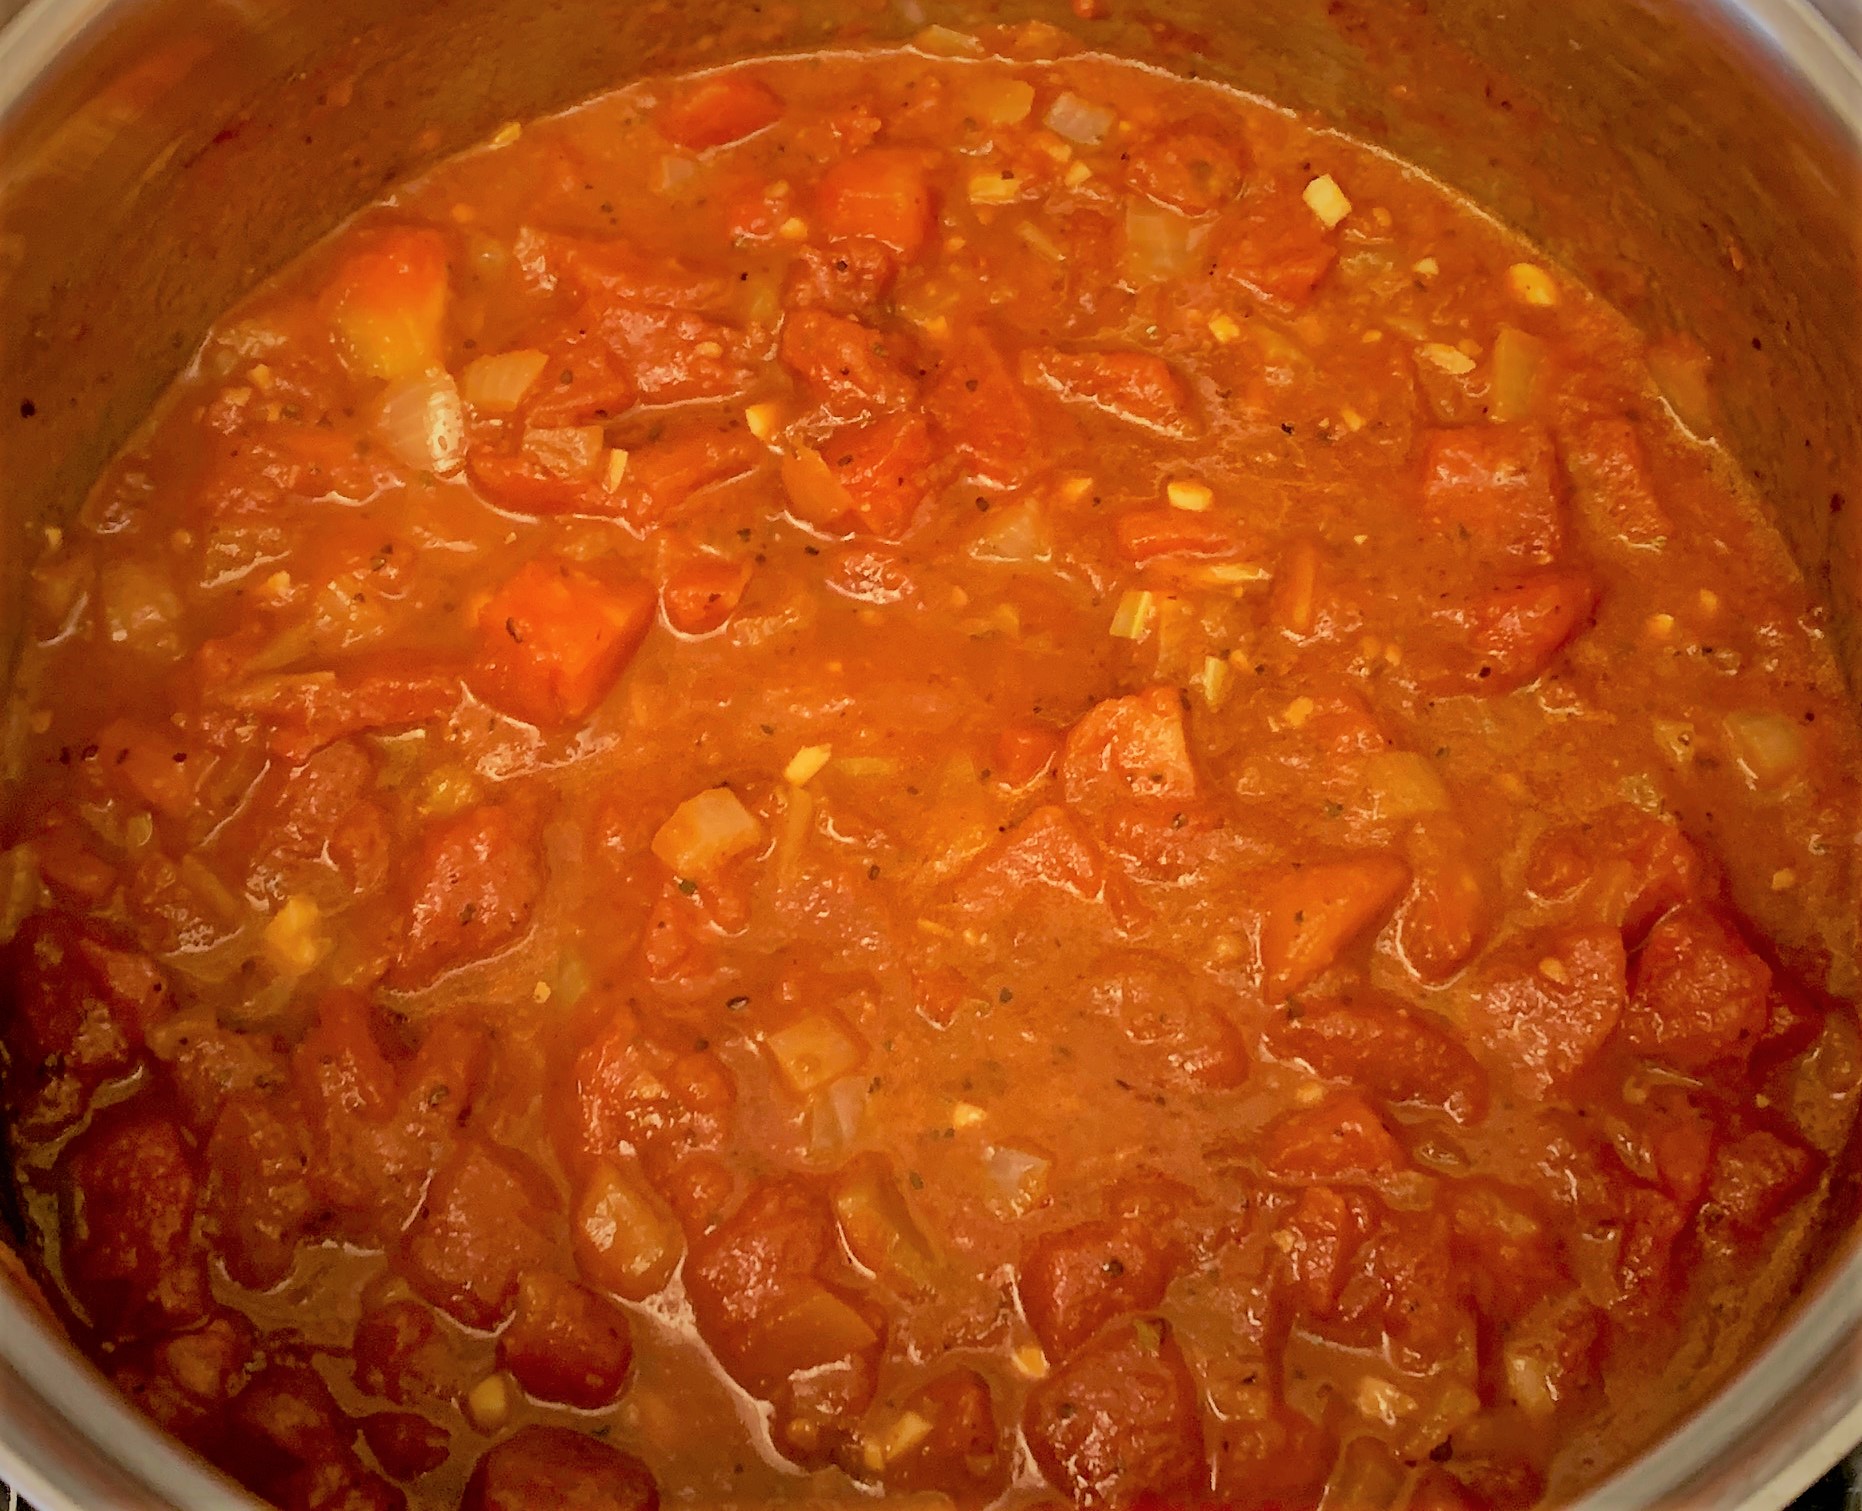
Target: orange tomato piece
(1025,750)
(389,302)
(1497,486)
(702,595)
(1340,1139)
(1154,534)
(554,639)
(724,108)
(1314,911)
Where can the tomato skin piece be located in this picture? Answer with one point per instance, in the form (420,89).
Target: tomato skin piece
(881,193)
(1276,251)
(405,1443)
(1120,1420)
(1075,1281)
(1314,911)
(565,1344)
(554,639)
(1511,634)
(1025,750)
(127,1190)
(1698,996)
(700,597)
(561,1469)
(1195,167)
(1341,1139)
(841,361)
(489,1216)
(719,110)
(1545,1007)
(1126,748)
(471,886)
(983,412)
(1134,386)
(1757,1177)
(667,481)
(1316,1241)
(1395,1054)
(1498,486)
(1610,479)
(1624,866)
(518,484)
(1154,534)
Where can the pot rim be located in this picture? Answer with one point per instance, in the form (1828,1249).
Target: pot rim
(1775,1427)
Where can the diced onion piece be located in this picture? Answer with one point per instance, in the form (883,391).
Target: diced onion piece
(1017,1180)
(614,471)
(994,186)
(1518,360)
(1381,1402)
(1449,358)
(488,1404)
(1531,284)
(1039,242)
(1768,745)
(1402,784)
(141,610)
(812,1053)
(816,496)
(706,831)
(967,1115)
(1079,121)
(880,1230)
(1000,102)
(1076,174)
(422,422)
(1017,533)
(293,940)
(448,789)
(1224,327)
(624,1242)
(1367,1477)
(1136,613)
(1326,200)
(497,384)
(1529,1381)
(1676,739)
(806,764)
(944,42)
(1158,242)
(1189,495)
(836,1117)
(1215,679)
(572,452)
(907,1432)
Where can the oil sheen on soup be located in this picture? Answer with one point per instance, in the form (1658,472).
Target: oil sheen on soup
(956,772)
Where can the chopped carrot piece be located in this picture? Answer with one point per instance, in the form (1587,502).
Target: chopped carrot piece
(554,639)
(718,110)
(879,193)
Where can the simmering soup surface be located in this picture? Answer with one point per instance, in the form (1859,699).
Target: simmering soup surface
(959,773)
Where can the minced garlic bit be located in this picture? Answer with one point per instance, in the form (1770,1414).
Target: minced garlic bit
(1308,1094)
(763,419)
(1425,267)
(1660,626)
(966,1115)
(488,1404)
(793,229)
(40,721)
(1189,495)
(540,993)
(509,132)
(994,187)
(1077,173)
(1531,284)
(1553,969)
(1214,679)
(1784,880)
(1326,200)
(1070,490)
(260,376)
(806,764)
(1137,611)
(1296,713)
(1351,419)
(1709,602)
(1225,328)
(1030,1363)
(293,942)
(1448,358)
(617,469)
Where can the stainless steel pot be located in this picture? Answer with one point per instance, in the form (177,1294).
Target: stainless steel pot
(1700,161)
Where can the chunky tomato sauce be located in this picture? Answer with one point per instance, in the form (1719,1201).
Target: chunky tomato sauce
(961,773)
